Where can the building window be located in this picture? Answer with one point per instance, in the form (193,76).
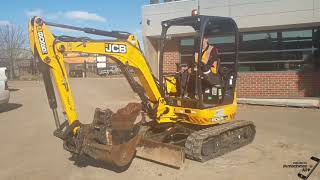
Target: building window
(259,36)
(263,51)
(186,50)
(258,41)
(297,39)
(225,45)
(221,40)
(275,51)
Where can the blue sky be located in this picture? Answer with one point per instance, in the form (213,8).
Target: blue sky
(124,15)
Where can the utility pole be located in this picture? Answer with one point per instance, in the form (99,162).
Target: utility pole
(85,68)
(198,1)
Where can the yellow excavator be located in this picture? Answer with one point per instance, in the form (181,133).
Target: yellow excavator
(184,114)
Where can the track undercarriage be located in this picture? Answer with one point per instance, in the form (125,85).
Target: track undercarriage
(205,143)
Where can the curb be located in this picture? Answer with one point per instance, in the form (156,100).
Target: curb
(304,103)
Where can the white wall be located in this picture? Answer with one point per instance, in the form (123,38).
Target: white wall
(159,12)
(249,14)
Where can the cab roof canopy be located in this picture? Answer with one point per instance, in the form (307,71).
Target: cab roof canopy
(212,24)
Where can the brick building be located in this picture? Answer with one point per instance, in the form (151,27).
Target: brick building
(75,61)
(278,42)
(86,62)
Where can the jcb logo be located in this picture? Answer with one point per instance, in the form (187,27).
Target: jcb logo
(42,42)
(116,48)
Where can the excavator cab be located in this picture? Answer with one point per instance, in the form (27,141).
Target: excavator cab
(192,85)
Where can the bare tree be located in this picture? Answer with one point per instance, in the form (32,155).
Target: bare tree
(12,43)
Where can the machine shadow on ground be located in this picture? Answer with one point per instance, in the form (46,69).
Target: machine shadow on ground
(84,161)
(13,89)
(9,107)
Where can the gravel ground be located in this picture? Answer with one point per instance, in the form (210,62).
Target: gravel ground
(30,151)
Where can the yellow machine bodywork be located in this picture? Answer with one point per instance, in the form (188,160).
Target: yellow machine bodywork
(51,52)
(174,129)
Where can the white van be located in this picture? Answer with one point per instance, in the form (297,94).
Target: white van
(4,91)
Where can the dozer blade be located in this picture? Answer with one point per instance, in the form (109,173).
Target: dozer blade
(163,153)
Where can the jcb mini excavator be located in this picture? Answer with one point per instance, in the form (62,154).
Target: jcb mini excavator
(181,117)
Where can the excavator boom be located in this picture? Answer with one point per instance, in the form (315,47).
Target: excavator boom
(126,52)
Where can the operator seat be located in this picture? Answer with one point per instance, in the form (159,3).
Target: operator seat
(212,84)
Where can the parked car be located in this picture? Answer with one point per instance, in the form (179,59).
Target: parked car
(103,72)
(4,90)
(110,70)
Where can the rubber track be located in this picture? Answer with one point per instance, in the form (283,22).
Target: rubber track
(193,145)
